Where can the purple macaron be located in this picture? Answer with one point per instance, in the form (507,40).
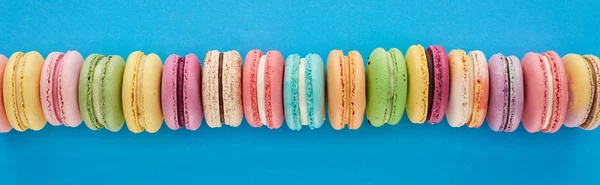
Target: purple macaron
(180,93)
(506,93)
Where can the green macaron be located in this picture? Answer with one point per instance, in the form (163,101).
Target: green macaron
(100,84)
(387,83)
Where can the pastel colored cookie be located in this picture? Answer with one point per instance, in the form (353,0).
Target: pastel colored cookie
(4,124)
(304,91)
(59,88)
(460,99)
(439,83)
(21,93)
(480,89)
(546,92)
(141,92)
(100,84)
(583,73)
(222,88)
(180,92)
(262,92)
(346,96)
(418,84)
(506,95)
(387,82)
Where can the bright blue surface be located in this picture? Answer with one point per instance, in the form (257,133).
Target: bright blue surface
(401,154)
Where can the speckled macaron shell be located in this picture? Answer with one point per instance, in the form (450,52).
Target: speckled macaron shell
(384,77)
(231,88)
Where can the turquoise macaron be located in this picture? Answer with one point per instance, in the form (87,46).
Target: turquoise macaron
(304,91)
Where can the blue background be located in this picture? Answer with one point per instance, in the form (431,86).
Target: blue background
(401,154)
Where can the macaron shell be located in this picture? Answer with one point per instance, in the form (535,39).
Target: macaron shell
(112,89)
(273,89)
(4,124)
(518,97)
(249,91)
(232,88)
(457,109)
(358,98)
(317,81)
(441,84)
(418,84)
(335,89)
(192,91)
(290,92)
(31,106)
(481,89)
(400,86)
(46,87)
(593,121)
(561,92)
(536,94)
(581,89)
(378,87)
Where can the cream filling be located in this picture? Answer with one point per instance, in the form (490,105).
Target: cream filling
(260,89)
(18,87)
(138,92)
(302,92)
(96,92)
(550,93)
(388,112)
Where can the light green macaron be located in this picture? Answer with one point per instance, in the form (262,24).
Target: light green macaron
(387,83)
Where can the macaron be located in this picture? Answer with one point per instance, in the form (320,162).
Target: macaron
(460,99)
(4,124)
(21,93)
(507,93)
(480,89)
(546,92)
(141,92)
(418,84)
(439,83)
(59,88)
(100,84)
(346,89)
(180,92)
(387,82)
(304,91)
(583,75)
(262,88)
(222,88)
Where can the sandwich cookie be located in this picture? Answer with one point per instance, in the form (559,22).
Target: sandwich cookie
(506,93)
(100,83)
(583,73)
(222,88)
(346,89)
(21,93)
(387,82)
(304,91)
(141,92)
(439,83)
(180,92)
(59,88)
(546,92)
(262,88)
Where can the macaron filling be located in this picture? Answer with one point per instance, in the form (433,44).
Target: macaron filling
(56,95)
(302,92)
(430,67)
(388,112)
(510,96)
(97,82)
(550,90)
(220,88)
(180,85)
(260,89)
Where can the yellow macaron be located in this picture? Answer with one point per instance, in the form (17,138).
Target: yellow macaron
(141,92)
(21,91)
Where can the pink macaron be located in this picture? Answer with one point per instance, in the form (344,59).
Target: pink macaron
(506,93)
(263,88)
(59,88)
(4,124)
(546,92)
(180,92)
